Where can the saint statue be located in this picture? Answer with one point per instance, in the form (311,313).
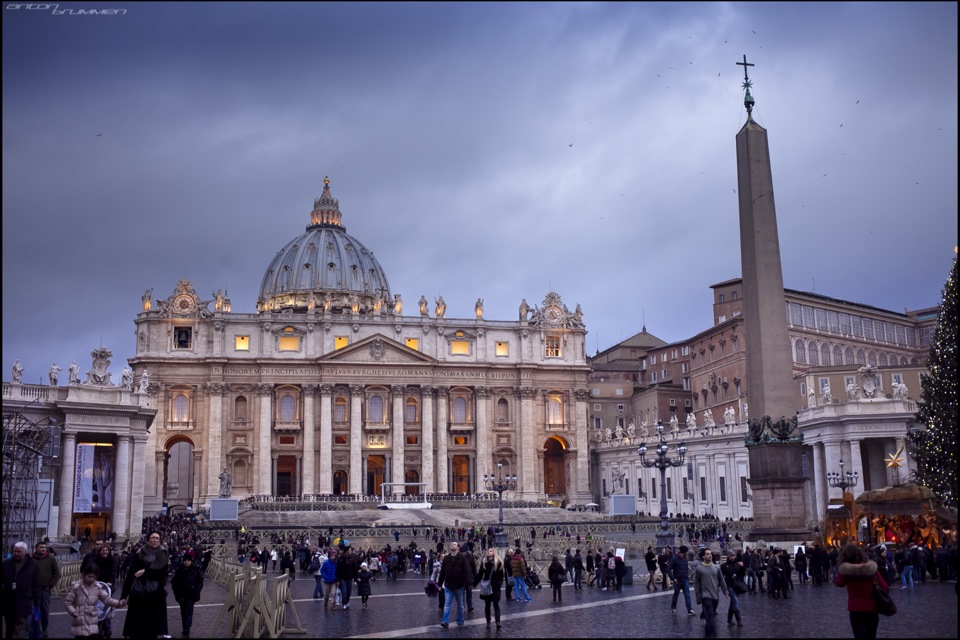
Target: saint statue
(578,315)
(423,307)
(397,305)
(524,310)
(899,391)
(853,393)
(144,382)
(74,374)
(54,373)
(441,307)
(673,421)
(609,434)
(17,371)
(729,416)
(226,483)
(631,430)
(618,432)
(708,418)
(478,308)
(691,420)
(826,396)
(147,299)
(126,379)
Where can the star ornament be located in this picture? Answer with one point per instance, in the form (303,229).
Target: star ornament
(894,460)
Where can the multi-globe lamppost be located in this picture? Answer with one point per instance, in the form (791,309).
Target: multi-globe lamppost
(500,483)
(665,537)
(844,481)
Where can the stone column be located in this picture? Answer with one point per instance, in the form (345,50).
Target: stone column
(483,460)
(820,480)
(298,489)
(215,434)
(426,430)
(326,439)
(582,397)
(398,441)
(907,467)
(150,468)
(160,457)
(264,484)
(443,464)
(356,433)
(68,470)
(197,476)
(832,457)
(136,488)
(273,474)
(307,481)
(856,465)
(121,493)
(527,478)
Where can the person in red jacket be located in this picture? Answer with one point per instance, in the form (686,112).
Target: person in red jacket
(857,573)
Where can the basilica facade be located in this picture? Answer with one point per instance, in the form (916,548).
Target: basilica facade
(335,387)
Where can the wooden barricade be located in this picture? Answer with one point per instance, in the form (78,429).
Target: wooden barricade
(282,600)
(233,605)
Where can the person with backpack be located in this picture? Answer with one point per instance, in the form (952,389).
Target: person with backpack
(81,602)
(316,562)
(610,575)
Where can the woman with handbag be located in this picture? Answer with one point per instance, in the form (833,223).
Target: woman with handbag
(144,591)
(858,574)
(490,579)
(555,573)
(733,573)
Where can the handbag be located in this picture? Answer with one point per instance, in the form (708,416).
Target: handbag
(431,589)
(883,600)
(486,589)
(509,581)
(739,586)
(144,587)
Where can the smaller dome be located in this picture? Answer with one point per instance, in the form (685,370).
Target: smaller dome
(325,268)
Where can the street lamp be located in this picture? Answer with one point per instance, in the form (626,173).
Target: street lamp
(842,480)
(500,483)
(665,536)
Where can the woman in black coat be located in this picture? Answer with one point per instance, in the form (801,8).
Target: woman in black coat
(555,573)
(106,562)
(147,613)
(800,562)
(491,568)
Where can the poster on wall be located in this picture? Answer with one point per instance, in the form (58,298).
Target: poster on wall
(93,485)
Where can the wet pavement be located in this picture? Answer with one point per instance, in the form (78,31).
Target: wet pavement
(399,608)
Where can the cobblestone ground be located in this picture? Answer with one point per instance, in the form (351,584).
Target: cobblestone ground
(399,608)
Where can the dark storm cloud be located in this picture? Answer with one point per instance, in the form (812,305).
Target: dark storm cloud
(188,141)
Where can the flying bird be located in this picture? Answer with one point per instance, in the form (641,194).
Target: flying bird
(754,32)
(824,175)
(841,126)
(858,102)
(734,190)
(99,134)
(570,145)
(718,75)
(670,68)
(659,76)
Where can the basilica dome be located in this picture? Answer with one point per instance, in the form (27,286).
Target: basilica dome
(324,269)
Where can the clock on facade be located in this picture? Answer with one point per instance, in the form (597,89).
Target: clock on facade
(184,304)
(553,315)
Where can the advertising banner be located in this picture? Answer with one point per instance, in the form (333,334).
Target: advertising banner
(83,480)
(94,480)
(103,479)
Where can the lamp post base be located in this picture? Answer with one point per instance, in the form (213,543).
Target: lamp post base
(665,539)
(500,540)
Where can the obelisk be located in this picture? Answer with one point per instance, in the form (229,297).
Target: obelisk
(773,442)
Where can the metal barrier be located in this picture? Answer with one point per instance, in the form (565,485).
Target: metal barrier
(249,610)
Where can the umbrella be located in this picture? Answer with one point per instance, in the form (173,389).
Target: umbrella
(591,504)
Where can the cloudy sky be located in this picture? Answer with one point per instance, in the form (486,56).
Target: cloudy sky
(479,150)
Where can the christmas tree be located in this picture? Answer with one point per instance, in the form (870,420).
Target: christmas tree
(935,448)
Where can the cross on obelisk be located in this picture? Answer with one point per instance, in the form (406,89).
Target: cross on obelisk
(748,100)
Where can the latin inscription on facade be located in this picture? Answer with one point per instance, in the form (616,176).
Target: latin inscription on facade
(369,372)
(778,508)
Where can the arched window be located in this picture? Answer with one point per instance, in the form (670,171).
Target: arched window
(801,352)
(460,410)
(240,474)
(503,410)
(814,354)
(825,354)
(848,356)
(340,409)
(837,355)
(861,359)
(903,360)
(240,409)
(181,408)
(288,406)
(410,411)
(376,409)
(554,410)
(872,358)
(883,359)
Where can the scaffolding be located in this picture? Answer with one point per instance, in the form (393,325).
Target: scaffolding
(26,498)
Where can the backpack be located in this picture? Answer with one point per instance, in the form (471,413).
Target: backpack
(611,563)
(314,565)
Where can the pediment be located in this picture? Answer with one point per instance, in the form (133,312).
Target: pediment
(378,349)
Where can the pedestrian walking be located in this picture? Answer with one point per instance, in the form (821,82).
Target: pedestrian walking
(435,579)
(287,566)
(21,591)
(577,571)
(49,577)
(568,564)
(858,574)
(555,573)
(328,576)
(81,602)
(800,563)
(147,615)
(347,571)
(663,561)
(650,558)
(679,570)
(187,583)
(733,573)
(364,576)
(454,576)
(274,556)
(316,563)
(518,568)
(491,572)
(709,584)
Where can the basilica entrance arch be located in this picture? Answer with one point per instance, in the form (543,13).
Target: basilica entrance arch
(554,466)
(178,468)
(376,474)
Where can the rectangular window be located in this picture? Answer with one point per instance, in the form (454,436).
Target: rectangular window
(845,324)
(413,343)
(911,337)
(743,489)
(686,490)
(620,408)
(804,465)
(287,439)
(289,343)
(795,318)
(597,407)
(896,377)
(461,441)
(833,319)
(619,392)
(808,318)
(685,367)
(653,359)
(803,389)
(669,489)
(686,384)
(553,346)
(733,295)
(653,488)
(653,376)
(339,342)
(619,422)
(721,298)
(685,351)
(703,488)
(241,343)
(596,423)
(824,382)
(889,332)
(721,318)
(901,334)
(502,348)
(339,439)
(857,326)
(723,489)
(673,402)
(867,328)
(459,347)
(821,319)
(413,440)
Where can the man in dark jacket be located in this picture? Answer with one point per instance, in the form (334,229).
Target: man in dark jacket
(187,583)
(347,572)
(455,574)
(679,570)
(663,560)
(49,577)
(21,591)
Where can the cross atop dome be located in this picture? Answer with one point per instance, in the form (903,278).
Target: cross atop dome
(748,100)
(326,208)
